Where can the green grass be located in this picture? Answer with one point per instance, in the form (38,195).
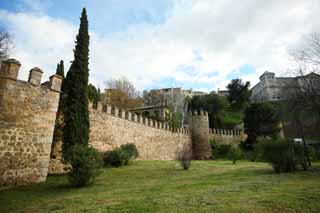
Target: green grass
(154,186)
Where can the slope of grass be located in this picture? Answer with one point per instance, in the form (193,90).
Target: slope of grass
(232,118)
(154,186)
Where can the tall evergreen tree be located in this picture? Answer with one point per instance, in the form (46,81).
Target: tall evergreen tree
(60,69)
(76,116)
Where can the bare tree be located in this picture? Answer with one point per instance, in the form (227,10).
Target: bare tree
(303,92)
(309,54)
(122,93)
(124,85)
(153,97)
(307,69)
(5,44)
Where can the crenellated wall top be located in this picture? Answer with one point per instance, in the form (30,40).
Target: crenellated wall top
(132,117)
(10,70)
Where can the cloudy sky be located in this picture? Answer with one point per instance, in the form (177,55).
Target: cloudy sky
(199,44)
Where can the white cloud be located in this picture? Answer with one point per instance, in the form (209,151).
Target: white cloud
(225,34)
(39,41)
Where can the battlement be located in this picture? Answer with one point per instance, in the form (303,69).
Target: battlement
(9,72)
(27,117)
(198,113)
(126,115)
(225,136)
(224,131)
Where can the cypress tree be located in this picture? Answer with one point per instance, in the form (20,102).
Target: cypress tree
(60,69)
(76,116)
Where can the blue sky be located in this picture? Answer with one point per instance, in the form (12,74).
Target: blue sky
(106,16)
(199,44)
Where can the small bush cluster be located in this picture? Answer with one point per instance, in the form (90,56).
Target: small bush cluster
(131,150)
(120,156)
(283,155)
(226,151)
(219,151)
(86,163)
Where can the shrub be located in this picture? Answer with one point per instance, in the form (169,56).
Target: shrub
(86,163)
(116,157)
(250,155)
(131,150)
(120,156)
(184,156)
(283,155)
(313,154)
(234,154)
(219,150)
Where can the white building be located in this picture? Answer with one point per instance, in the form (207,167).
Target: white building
(271,88)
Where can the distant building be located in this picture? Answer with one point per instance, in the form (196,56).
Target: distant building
(271,88)
(198,93)
(169,96)
(223,92)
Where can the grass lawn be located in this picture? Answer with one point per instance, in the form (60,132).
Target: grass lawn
(154,186)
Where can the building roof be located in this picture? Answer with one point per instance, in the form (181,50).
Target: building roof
(311,74)
(267,73)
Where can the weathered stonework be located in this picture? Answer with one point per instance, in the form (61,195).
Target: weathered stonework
(111,127)
(27,117)
(153,141)
(28,114)
(55,165)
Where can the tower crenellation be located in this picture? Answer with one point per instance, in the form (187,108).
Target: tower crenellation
(10,69)
(35,75)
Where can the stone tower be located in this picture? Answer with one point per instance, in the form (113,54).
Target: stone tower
(199,128)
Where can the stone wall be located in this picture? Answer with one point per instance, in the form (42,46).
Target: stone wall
(228,137)
(27,117)
(111,127)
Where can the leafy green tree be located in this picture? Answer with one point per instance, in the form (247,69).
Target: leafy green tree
(76,115)
(215,106)
(260,119)
(239,93)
